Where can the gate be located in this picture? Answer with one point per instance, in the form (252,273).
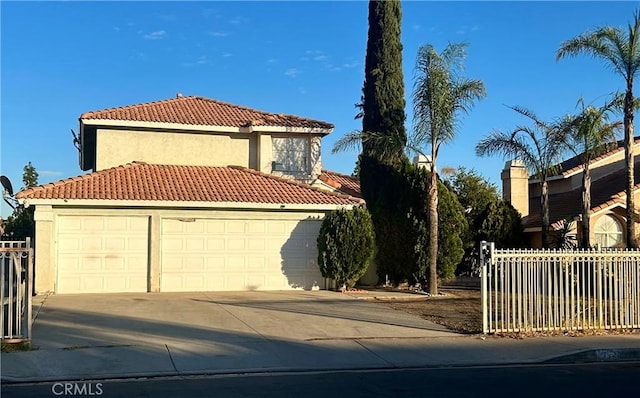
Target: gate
(549,290)
(16,289)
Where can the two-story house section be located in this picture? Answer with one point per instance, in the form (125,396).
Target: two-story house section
(186,194)
(608,197)
(198,131)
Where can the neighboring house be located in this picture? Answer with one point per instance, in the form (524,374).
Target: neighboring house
(608,197)
(186,194)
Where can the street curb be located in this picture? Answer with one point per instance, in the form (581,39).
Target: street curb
(583,357)
(598,355)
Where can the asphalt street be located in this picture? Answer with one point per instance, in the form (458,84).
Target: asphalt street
(544,380)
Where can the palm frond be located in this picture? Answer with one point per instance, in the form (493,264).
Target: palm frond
(439,94)
(350,141)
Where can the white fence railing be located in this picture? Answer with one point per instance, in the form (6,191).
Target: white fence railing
(16,288)
(548,290)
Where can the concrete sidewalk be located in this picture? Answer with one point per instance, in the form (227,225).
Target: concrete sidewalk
(115,336)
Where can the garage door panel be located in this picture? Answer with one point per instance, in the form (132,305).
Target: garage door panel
(102,254)
(276,228)
(256,263)
(194,244)
(215,227)
(235,263)
(172,244)
(256,227)
(256,244)
(235,227)
(236,244)
(260,254)
(215,263)
(215,244)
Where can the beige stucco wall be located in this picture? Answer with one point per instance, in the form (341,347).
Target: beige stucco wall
(44,249)
(253,150)
(46,216)
(118,147)
(265,153)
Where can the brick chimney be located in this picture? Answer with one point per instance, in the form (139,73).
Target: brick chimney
(515,185)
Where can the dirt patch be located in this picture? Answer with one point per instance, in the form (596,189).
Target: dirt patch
(457,309)
(461,311)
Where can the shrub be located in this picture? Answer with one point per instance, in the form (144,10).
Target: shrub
(345,245)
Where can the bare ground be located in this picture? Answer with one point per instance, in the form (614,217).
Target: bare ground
(457,309)
(461,311)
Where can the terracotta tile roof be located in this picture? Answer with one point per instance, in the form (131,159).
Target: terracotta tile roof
(194,110)
(605,192)
(149,182)
(574,164)
(342,182)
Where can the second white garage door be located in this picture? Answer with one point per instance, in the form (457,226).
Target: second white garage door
(239,254)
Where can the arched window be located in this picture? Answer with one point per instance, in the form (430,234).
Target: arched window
(608,232)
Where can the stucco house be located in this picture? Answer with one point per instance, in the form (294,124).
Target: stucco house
(608,197)
(187,194)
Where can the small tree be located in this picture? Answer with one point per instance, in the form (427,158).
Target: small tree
(21,224)
(345,245)
(29,176)
(501,223)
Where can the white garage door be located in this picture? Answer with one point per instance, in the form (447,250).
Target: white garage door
(219,254)
(102,254)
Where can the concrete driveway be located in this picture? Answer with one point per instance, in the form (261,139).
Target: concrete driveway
(85,337)
(66,321)
(124,335)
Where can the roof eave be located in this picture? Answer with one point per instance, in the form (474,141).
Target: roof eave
(202,127)
(185,204)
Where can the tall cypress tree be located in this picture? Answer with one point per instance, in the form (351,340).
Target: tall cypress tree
(383,91)
(382,112)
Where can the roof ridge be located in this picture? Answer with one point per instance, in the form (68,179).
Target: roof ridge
(295,183)
(156,102)
(196,97)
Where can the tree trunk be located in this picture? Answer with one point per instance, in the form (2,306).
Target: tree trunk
(629,164)
(433,230)
(544,207)
(586,206)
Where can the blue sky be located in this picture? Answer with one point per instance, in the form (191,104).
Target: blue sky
(60,59)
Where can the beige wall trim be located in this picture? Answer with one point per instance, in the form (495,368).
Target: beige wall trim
(155,237)
(181,205)
(201,127)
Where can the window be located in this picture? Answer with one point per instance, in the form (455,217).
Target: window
(608,232)
(290,154)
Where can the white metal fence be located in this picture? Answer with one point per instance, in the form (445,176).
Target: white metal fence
(16,288)
(546,290)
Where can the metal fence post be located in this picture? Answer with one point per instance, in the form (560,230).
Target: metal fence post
(29,290)
(484,246)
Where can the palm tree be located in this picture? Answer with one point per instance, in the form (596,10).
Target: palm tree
(621,50)
(439,94)
(591,135)
(538,147)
